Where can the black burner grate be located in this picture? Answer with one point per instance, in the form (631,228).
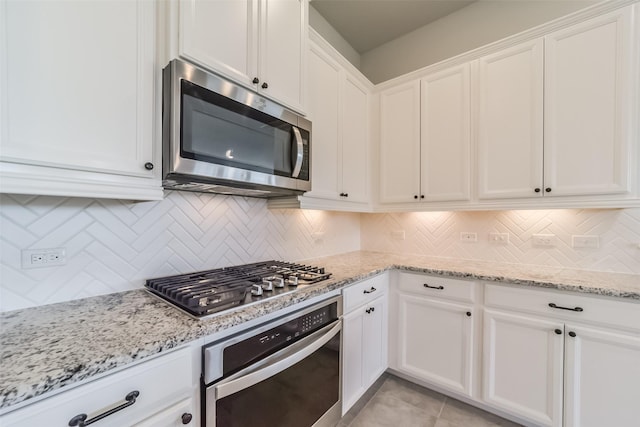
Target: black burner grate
(211,291)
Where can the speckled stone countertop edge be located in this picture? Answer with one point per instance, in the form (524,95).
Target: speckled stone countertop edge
(365,265)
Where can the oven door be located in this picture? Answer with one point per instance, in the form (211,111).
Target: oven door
(299,386)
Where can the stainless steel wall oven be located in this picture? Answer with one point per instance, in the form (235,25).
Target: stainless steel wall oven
(285,373)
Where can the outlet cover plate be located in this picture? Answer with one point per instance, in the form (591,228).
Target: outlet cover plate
(41,258)
(544,240)
(499,238)
(468,236)
(585,241)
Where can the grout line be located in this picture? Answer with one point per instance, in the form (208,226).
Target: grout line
(444,402)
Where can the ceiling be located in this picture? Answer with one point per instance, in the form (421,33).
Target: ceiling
(367,24)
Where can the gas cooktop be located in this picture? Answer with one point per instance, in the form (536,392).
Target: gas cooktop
(211,291)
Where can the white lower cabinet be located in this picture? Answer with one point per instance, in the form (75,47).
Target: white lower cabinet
(602,377)
(365,339)
(163,388)
(435,331)
(522,370)
(436,341)
(570,360)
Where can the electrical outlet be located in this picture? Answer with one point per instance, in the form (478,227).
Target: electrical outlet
(547,240)
(468,236)
(39,258)
(499,238)
(317,236)
(398,234)
(584,241)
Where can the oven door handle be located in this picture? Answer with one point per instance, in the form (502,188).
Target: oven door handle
(282,362)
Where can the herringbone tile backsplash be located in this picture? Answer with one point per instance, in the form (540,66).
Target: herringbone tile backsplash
(438,234)
(114,245)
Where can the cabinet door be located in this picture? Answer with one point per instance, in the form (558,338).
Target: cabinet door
(522,366)
(221,35)
(445,135)
(602,380)
(352,366)
(75,93)
(435,342)
(355,141)
(400,143)
(364,349)
(282,51)
(374,349)
(510,128)
(587,117)
(179,415)
(324,112)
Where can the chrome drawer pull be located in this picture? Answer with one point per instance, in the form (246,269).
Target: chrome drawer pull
(81,420)
(370,291)
(552,305)
(433,287)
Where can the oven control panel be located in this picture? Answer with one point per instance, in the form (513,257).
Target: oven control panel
(270,341)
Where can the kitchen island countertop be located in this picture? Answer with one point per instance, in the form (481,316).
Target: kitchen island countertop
(48,347)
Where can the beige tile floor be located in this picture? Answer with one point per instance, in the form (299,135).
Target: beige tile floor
(394,402)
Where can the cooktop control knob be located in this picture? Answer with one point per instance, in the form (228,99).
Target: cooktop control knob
(292,281)
(267,284)
(278,282)
(256,290)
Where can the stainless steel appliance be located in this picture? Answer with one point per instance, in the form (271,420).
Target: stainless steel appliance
(208,292)
(220,137)
(282,374)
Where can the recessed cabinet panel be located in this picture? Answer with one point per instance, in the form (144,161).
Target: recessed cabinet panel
(75,93)
(588,69)
(445,135)
(510,122)
(602,378)
(522,366)
(435,342)
(400,143)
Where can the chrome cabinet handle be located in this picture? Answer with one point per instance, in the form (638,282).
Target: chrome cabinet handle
(578,309)
(370,291)
(299,156)
(426,285)
(81,420)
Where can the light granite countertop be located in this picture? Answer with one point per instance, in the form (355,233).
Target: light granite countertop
(48,347)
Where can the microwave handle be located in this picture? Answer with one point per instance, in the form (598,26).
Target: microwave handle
(299,156)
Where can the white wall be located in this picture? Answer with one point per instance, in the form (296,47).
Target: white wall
(478,24)
(114,245)
(438,234)
(324,28)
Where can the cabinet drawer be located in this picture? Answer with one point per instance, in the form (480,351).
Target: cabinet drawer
(363,292)
(436,286)
(160,383)
(568,306)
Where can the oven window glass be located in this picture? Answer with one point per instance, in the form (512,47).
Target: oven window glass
(296,397)
(219,130)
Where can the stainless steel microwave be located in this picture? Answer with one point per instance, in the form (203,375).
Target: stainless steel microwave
(222,138)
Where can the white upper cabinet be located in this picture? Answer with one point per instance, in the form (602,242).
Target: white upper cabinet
(339,111)
(445,135)
(587,96)
(324,101)
(400,143)
(78,99)
(355,141)
(425,139)
(510,98)
(260,44)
